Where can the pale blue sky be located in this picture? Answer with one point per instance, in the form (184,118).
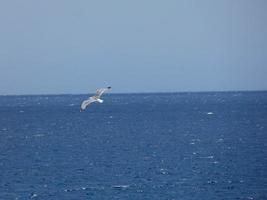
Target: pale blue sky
(63,46)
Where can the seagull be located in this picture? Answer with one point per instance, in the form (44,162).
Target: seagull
(94,98)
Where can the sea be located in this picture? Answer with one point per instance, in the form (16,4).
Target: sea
(149,146)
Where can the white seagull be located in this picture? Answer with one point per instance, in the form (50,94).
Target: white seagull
(94,98)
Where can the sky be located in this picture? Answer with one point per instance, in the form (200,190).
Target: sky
(63,46)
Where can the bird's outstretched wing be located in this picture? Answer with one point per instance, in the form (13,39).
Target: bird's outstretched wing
(100,91)
(85,103)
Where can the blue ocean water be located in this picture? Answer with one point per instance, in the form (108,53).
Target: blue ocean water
(134,146)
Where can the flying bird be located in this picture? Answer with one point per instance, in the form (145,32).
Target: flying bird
(94,98)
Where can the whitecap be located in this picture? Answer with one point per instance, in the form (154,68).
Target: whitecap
(121,186)
(220,140)
(163,171)
(212,182)
(83,188)
(210,157)
(34,196)
(207,157)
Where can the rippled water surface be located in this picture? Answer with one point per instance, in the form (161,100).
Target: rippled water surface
(134,146)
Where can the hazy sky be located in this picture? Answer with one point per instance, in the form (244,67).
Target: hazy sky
(63,46)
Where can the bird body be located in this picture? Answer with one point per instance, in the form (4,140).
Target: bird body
(95,98)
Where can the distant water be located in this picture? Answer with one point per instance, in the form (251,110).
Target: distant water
(200,146)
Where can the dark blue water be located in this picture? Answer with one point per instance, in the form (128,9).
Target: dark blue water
(135,146)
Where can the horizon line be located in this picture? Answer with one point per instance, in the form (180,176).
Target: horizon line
(119,93)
